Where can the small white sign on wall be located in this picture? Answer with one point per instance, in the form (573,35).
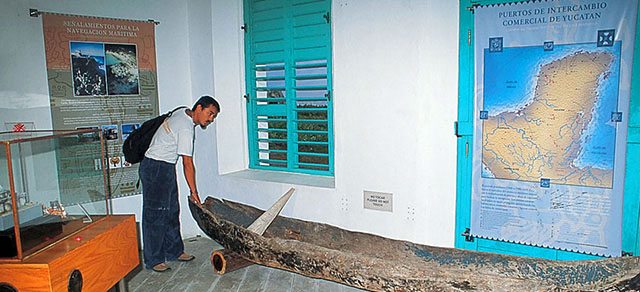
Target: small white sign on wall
(378,201)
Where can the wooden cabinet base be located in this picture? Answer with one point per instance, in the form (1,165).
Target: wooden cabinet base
(103,254)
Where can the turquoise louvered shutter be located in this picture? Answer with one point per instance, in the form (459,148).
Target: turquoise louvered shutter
(288,75)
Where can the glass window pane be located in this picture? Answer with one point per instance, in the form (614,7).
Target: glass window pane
(313,148)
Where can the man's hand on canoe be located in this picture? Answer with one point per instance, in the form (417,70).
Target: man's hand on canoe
(196,198)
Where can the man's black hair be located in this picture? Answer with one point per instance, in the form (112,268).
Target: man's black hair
(206,101)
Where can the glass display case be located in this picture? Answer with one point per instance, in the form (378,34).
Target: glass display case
(53,184)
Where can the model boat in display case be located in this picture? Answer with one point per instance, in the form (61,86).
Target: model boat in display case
(52,184)
(55,218)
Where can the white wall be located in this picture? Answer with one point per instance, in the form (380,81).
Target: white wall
(23,78)
(395,100)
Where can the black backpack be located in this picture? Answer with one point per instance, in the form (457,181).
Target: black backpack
(139,140)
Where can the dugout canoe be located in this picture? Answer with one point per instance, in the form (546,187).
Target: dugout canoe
(376,263)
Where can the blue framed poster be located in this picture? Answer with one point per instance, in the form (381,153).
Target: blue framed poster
(548,117)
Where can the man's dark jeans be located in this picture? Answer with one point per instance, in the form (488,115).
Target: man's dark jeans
(160,212)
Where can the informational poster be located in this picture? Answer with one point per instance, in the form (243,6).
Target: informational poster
(553,81)
(102,75)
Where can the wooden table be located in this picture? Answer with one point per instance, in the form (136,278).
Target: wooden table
(104,253)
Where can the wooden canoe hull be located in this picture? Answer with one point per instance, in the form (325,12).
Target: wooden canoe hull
(376,263)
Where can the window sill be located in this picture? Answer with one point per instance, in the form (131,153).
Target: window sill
(285,177)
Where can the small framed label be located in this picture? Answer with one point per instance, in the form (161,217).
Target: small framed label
(548,46)
(616,117)
(606,37)
(378,201)
(495,45)
(484,115)
(545,183)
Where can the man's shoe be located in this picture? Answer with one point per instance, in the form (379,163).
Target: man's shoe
(162,267)
(186,257)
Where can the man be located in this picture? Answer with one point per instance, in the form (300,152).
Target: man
(160,208)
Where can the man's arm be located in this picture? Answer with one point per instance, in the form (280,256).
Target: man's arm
(190,176)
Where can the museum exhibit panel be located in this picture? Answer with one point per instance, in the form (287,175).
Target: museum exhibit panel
(56,227)
(548,149)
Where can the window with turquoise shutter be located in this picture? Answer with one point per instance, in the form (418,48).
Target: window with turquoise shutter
(288,81)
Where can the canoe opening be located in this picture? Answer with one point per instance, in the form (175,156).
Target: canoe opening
(218,262)
(226,261)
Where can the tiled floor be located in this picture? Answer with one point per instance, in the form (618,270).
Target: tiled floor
(198,275)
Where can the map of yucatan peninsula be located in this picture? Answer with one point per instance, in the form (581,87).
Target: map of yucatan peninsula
(552,119)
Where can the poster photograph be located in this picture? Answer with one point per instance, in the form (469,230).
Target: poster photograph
(550,131)
(128,129)
(87,64)
(88,137)
(122,69)
(110,132)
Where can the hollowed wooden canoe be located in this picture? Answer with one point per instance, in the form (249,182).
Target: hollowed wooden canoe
(376,263)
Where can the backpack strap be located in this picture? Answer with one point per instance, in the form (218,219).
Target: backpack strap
(174,110)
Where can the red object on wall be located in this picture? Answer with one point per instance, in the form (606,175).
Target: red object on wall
(19,127)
